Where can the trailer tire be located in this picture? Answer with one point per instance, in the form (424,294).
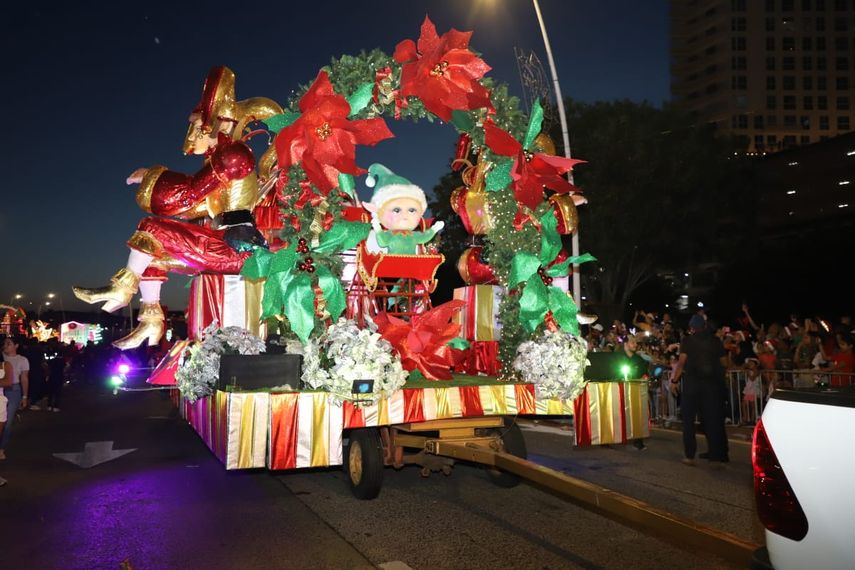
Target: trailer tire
(514,443)
(363,463)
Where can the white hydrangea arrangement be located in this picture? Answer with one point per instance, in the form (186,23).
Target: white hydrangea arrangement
(197,375)
(555,363)
(345,353)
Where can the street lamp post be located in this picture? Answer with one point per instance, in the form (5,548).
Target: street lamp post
(565,134)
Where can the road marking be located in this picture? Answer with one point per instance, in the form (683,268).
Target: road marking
(94,453)
(396,565)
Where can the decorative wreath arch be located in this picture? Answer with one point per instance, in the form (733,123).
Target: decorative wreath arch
(437,77)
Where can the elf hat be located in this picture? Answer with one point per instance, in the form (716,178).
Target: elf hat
(388,186)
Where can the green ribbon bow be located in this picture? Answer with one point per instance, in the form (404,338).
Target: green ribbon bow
(291,292)
(537,298)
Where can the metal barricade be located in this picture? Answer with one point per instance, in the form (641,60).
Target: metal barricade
(743,407)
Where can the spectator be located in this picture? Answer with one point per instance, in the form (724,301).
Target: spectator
(752,392)
(703,362)
(17,395)
(5,381)
(843,361)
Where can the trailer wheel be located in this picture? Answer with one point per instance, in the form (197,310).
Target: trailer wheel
(363,463)
(514,444)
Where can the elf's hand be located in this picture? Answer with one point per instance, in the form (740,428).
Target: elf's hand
(437,227)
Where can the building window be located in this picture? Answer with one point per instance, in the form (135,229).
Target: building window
(843,103)
(821,83)
(841,24)
(710,50)
(712,88)
(770,24)
(820,63)
(788,63)
(789,82)
(807,63)
(737,43)
(737,63)
(789,140)
(822,103)
(737,5)
(820,44)
(806,5)
(771,102)
(789,102)
(758,122)
(823,122)
(739,82)
(770,43)
(807,82)
(772,140)
(841,63)
(787,5)
(770,82)
(736,25)
(770,63)
(771,120)
(770,5)
(710,69)
(807,43)
(788,44)
(842,83)
(840,5)
(820,22)
(843,123)
(841,43)
(805,121)
(742,121)
(807,103)
(804,139)
(820,5)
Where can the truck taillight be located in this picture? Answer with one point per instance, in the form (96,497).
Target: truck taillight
(777,505)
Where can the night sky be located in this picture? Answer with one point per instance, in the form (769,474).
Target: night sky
(92,91)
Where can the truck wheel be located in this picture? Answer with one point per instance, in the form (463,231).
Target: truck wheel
(514,444)
(363,463)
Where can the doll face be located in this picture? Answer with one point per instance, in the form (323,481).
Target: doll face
(401,214)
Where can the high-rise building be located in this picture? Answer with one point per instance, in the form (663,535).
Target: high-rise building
(774,73)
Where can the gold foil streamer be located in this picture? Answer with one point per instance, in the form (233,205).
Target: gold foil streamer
(320,433)
(247,430)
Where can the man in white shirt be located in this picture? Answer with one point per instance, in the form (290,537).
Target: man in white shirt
(18,393)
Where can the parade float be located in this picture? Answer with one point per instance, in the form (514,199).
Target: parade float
(314,340)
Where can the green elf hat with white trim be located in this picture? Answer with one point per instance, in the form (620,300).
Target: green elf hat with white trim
(388,186)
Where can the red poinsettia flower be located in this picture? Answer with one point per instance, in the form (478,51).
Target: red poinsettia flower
(531,171)
(423,343)
(323,138)
(442,72)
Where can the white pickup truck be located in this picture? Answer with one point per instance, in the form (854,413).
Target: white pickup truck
(804,479)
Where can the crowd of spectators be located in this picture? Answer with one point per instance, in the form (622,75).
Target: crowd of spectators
(796,352)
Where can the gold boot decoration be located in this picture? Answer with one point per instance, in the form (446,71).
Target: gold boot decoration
(150,328)
(123,286)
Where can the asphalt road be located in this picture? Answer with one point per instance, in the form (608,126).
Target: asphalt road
(169,503)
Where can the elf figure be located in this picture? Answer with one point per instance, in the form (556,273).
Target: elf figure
(398,206)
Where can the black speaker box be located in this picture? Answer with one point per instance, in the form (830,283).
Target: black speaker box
(255,371)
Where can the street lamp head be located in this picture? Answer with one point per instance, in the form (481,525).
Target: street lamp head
(51,295)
